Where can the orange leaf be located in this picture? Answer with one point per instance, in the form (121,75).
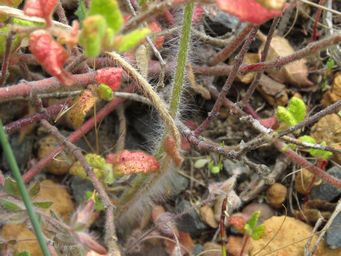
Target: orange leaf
(248,10)
(126,162)
(50,54)
(172,150)
(110,76)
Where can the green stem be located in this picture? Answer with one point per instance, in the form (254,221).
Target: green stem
(24,194)
(181,61)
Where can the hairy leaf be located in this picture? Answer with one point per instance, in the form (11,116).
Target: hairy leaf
(104,92)
(285,116)
(110,76)
(81,10)
(126,162)
(10,206)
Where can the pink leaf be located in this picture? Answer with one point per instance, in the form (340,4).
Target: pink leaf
(126,162)
(50,54)
(40,8)
(110,76)
(248,10)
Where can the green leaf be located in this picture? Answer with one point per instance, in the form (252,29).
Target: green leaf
(284,116)
(91,37)
(11,187)
(99,206)
(258,232)
(330,64)
(8,205)
(322,154)
(126,42)
(43,205)
(23,254)
(81,10)
(34,189)
(252,222)
(105,92)
(297,108)
(109,10)
(200,163)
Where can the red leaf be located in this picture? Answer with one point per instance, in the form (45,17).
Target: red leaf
(40,8)
(50,54)
(126,162)
(248,10)
(110,76)
(156,28)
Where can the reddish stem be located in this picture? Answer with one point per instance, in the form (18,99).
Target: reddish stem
(24,89)
(245,240)
(76,135)
(50,112)
(322,164)
(317,18)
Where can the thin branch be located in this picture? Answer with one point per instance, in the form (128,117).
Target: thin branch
(61,13)
(6,58)
(226,52)
(228,83)
(76,151)
(23,191)
(312,119)
(149,92)
(50,112)
(264,55)
(120,144)
(75,136)
(26,88)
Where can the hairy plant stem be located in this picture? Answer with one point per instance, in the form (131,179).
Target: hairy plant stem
(23,192)
(149,92)
(143,184)
(181,60)
(110,233)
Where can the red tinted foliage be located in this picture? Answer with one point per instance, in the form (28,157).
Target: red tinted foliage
(248,10)
(126,162)
(110,76)
(50,54)
(40,8)
(171,150)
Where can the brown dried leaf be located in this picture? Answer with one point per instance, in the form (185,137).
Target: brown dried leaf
(296,72)
(207,216)
(250,58)
(273,92)
(82,106)
(334,94)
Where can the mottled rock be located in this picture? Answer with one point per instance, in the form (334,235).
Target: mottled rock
(325,191)
(333,237)
(191,221)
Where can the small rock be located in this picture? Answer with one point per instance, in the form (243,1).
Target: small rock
(213,249)
(303,181)
(235,244)
(24,237)
(79,187)
(61,163)
(325,191)
(328,129)
(265,211)
(233,167)
(288,237)
(276,195)
(58,195)
(333,237)
(191,221)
